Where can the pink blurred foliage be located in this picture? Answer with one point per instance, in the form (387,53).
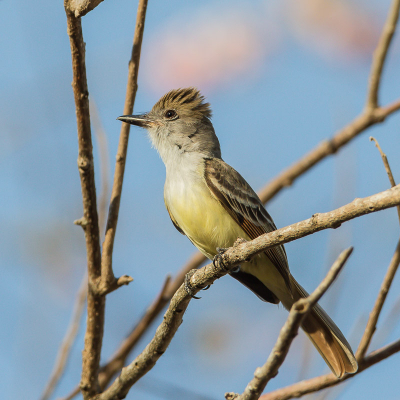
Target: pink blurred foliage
(216,48)
(339,31)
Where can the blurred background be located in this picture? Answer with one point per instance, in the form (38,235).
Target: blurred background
(280,76)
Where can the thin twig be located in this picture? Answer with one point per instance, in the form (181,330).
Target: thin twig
(230,259)
(380,300)
(387,167)
(380,54)
(289,331)
(388,279)
(322,382)
(68,341)
(107,275)
(96,303)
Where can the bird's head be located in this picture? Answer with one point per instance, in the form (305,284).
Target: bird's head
(179,123)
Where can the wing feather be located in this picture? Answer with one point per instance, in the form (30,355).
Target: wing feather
(243,204)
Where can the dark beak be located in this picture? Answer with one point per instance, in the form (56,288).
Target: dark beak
(139,120)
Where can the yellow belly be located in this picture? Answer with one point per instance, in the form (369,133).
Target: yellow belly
(203,219)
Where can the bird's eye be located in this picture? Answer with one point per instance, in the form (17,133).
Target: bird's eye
(170,114)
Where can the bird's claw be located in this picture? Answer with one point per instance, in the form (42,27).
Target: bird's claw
(218,258)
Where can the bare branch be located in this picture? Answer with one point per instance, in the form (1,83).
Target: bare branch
(322,382)
(68,341)
(289,331)
(107,275)
(232,257)
(380,54)
(96,303)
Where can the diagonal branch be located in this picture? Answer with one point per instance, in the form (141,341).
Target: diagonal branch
(118,359)
(380,54)
(107,275)
(322,382)
(380,300)
(231,258)
(289,331)
(318,222)
(326,148)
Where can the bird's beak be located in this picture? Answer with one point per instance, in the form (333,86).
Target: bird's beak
(139,120)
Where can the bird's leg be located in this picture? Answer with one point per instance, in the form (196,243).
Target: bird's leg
(188,285)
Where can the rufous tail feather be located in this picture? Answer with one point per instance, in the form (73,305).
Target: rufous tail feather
(325,335)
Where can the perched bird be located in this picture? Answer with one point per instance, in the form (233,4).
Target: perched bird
(210,203)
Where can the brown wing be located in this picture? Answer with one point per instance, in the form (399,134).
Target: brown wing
(240,200)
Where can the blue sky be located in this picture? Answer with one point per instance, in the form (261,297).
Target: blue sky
(303,82)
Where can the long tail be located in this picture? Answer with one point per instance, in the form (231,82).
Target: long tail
(325,335)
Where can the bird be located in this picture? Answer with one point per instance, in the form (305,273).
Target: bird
(213,205)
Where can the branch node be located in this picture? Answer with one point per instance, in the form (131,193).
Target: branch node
(231,396)
(336,224)
(124,280)
(84,164)
(81,222)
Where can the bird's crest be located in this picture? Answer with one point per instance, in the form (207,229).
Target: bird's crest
(187,99)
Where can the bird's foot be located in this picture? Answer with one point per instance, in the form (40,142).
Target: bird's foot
(217,260)
(188,286)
